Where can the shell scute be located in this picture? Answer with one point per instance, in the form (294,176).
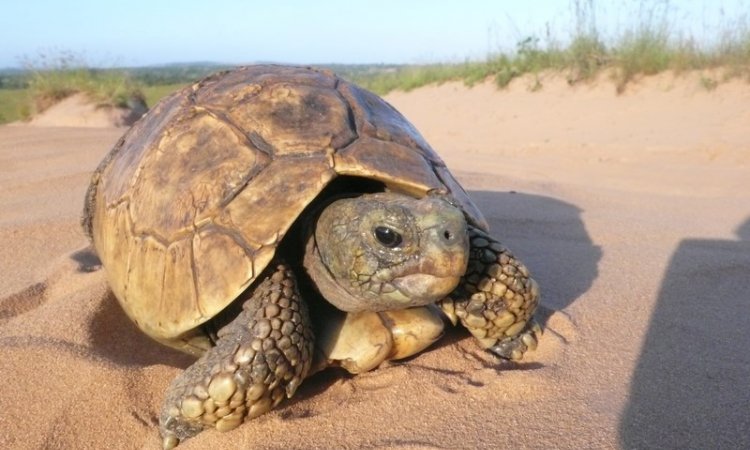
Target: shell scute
(118,177)
(180,303)
(376,118)
(178,186)
(223,269)
(397,166)
(270,203)
(296,119)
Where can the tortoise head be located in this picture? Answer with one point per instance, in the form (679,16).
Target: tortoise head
(387,251)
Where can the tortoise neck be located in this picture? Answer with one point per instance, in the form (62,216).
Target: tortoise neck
(325,282)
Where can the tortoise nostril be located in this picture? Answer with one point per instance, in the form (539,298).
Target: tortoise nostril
(448,237)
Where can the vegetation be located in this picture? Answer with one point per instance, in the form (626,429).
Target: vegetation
(154,93)
(13,104)
(51,78)
(650,47)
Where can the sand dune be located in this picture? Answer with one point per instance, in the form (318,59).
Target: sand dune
(632,211)
(80,111)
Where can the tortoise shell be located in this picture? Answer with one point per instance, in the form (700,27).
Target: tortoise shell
(190,205)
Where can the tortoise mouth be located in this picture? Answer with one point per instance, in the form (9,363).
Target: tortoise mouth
(402,292)
(422,289)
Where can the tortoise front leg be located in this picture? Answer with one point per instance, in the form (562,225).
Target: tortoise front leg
(496,299)
(260,358)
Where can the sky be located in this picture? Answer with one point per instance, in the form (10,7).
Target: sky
(151,32)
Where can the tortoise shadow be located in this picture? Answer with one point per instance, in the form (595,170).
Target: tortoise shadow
(691,386)
(115,337)
(550,237)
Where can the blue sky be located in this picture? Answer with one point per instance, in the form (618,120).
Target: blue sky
(141,32)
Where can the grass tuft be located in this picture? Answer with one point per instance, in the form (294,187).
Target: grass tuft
(55,76)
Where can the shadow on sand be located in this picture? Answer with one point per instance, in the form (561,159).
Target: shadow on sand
(115,337)
(549,236)
(691,388)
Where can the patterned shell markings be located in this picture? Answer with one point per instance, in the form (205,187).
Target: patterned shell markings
(190,204)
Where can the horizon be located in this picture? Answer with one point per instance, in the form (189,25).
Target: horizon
(142,34)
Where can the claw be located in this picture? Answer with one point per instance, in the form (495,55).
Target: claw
(169,442)
(530,341)
(511,349)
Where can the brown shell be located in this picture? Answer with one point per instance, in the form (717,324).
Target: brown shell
(189,206)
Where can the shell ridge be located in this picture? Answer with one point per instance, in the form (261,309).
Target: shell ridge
(250,142)
(164,287)
(235,235)
(128,265)
(193,272)
(236,129)
(350,117)
(147,233)
(92,191)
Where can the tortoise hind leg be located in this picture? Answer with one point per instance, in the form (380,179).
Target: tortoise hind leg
(496,299)
(260,357)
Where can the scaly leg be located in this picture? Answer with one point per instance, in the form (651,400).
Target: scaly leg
(260,357)
(496,299)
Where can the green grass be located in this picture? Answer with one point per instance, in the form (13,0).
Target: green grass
(585,58)
(13,105)
(153,94)
(18,104)
(409,77)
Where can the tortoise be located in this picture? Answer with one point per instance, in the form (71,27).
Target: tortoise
(277,220)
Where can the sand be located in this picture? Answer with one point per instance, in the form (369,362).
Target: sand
(79,111)
(632,211)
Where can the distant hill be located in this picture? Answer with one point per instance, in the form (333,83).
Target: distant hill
(12,78)
(174,73)
(186,72)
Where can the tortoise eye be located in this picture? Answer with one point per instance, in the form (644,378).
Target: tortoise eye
(388,237)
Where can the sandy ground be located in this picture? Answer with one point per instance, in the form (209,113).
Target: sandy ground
(632,211)
(78,111)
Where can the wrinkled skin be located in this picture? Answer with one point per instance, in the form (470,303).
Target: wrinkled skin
(388,263)
(381,252)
